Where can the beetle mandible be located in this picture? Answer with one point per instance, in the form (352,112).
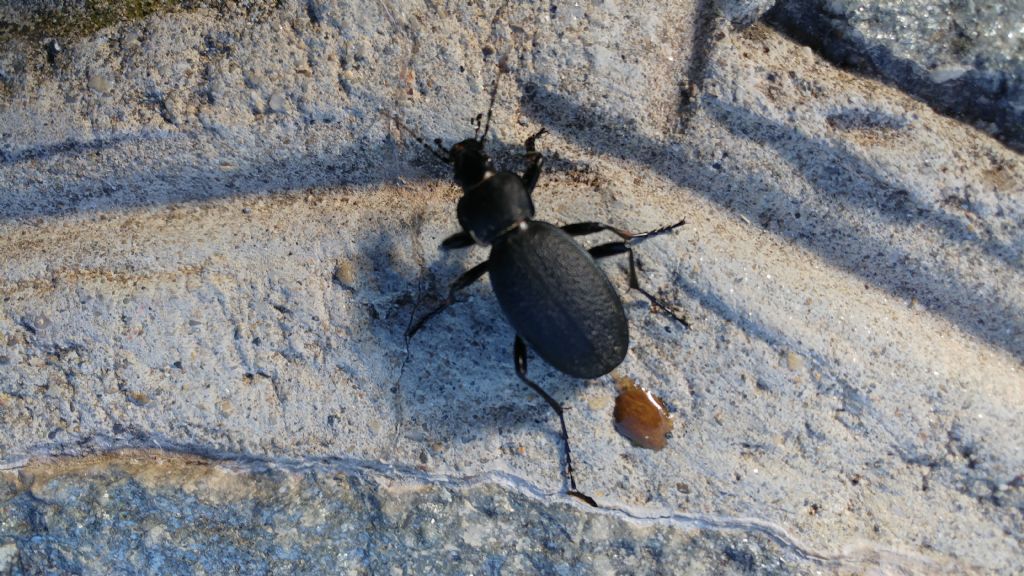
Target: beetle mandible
(558,301)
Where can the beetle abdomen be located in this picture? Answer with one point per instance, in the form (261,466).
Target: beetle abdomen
(558,300)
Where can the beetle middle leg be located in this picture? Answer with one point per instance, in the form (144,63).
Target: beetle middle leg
(626,246)
(613,248)
(520,359)
(584,228)
(467,278)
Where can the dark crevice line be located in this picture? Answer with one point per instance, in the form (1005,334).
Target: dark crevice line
(256,464)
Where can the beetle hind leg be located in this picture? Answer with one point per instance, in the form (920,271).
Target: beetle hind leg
(520,359)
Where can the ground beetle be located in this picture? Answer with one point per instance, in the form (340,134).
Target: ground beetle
(552,292)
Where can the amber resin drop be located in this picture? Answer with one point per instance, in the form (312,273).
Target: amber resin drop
(640,416)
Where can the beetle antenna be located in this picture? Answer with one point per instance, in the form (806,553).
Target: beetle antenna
(437,149)
(490,107)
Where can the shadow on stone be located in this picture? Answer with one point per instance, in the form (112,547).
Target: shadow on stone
(884,265)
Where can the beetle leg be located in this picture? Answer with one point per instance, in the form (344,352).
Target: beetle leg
(656,232)
(457,240)
(476,122)
(467,278)
(584,228)
(520,359)
(613,248)
(534,162)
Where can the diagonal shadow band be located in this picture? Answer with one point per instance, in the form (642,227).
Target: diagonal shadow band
(145,170)
(70,146)
(177,172)
(857,249)
(830,167)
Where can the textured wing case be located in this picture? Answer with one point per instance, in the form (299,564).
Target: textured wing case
(559,301)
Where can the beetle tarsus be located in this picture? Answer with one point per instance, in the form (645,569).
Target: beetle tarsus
(584,228)
(636,238)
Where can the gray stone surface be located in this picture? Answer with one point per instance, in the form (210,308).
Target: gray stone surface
(158,513)
(214,240)
(741,13)
(963,58)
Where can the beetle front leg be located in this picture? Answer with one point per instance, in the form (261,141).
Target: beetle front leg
(534,162)
(470,276)
(457,240)
(614,248)
(519,351)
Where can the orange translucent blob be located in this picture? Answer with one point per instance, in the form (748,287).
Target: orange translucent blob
(640,416)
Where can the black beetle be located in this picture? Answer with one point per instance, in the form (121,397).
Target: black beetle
(549,287)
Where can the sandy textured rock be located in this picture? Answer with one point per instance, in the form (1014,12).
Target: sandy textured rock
(214,241)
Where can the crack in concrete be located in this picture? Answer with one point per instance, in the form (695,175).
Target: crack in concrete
(390,476)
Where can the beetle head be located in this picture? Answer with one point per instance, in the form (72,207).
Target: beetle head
(471,162)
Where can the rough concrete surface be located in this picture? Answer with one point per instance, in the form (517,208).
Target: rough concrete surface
(215,236)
